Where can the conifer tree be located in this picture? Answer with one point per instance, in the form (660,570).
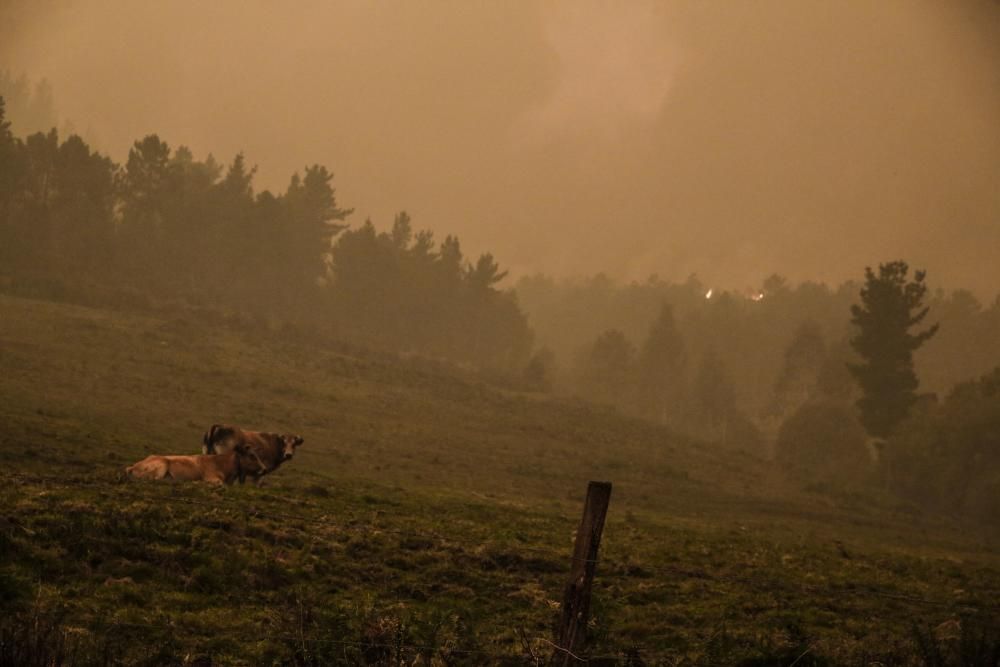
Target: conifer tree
(661,367)
(891,305)
(803,360)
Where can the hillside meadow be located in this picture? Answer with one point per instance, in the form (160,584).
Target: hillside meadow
(427,519)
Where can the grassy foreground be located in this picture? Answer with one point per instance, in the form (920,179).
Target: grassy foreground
(428,519)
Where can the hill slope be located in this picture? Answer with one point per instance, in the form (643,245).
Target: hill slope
(427,509)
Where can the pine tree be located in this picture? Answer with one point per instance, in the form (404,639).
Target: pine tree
(313,221)
(803,361)
(890,306)
(9,171)
(713,394)
(661,367)
(606,368)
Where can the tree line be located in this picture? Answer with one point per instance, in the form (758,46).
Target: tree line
(703,360)
(166,225)
(770,341)
(872,384)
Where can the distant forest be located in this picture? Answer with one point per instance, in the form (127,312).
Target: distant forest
(767,346)
(767,372)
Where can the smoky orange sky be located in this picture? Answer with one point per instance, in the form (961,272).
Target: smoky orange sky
(727,139)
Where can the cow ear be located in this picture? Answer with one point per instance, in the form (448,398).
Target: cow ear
(298,440)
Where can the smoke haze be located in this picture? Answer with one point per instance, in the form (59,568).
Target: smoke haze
(728,139)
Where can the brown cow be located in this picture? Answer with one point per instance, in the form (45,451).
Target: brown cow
(265,451)
(212,468)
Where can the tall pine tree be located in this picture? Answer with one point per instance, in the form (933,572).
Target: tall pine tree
(891,305)
(661,368)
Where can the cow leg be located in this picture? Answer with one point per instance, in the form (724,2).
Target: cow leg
(263,467)
(162,472)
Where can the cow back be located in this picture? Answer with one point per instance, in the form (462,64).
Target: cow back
(221,438)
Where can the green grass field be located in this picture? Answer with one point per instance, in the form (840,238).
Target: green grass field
(428,519)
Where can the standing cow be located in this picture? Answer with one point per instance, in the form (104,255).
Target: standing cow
(265,451)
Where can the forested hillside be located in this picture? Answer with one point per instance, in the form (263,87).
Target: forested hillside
(167,227)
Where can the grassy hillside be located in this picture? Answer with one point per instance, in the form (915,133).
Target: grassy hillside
(429,515)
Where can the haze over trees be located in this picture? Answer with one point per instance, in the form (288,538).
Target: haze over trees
(773,365)
(669,157)
(166,226)
(30,104)
(778,350)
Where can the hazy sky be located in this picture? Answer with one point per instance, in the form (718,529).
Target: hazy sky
(731,139)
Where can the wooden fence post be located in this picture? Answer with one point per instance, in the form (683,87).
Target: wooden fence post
(572,629)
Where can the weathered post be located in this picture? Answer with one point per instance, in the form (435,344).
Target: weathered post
(572,629)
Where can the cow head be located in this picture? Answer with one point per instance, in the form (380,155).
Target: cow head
(288,444)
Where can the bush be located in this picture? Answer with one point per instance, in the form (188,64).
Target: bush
(946,456)
(823,441)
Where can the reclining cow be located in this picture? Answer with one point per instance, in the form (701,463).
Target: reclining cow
(264,451)
(212,468)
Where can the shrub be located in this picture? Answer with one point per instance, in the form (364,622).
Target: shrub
(823,441)
(946,456)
